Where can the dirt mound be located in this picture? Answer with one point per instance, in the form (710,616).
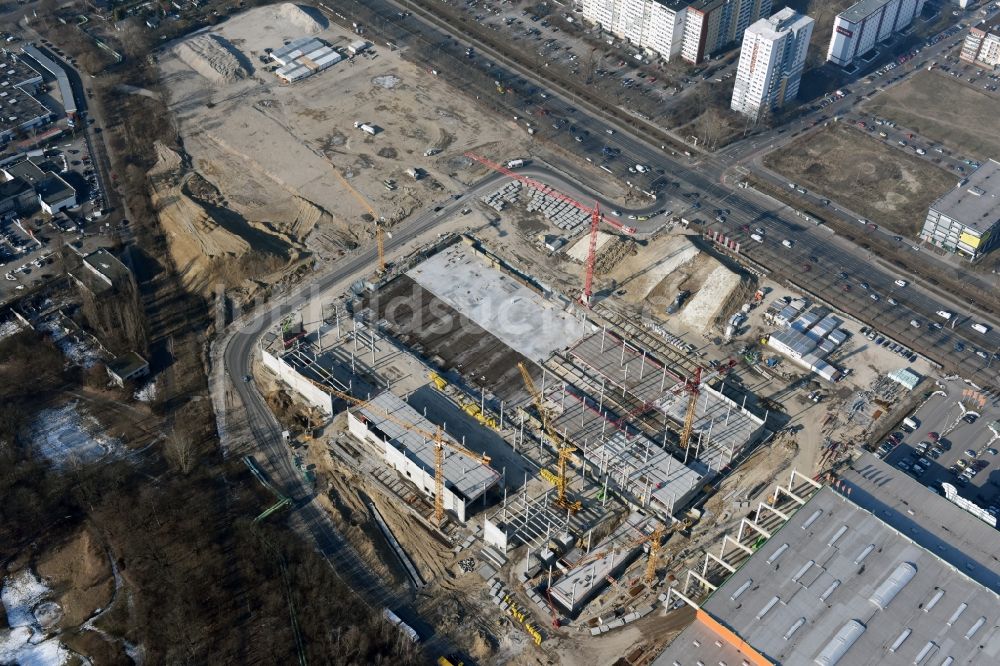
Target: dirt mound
(715,292)
(292,16)
(210,238)
(79,573)
(213,57)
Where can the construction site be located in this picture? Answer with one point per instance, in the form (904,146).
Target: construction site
(538,435)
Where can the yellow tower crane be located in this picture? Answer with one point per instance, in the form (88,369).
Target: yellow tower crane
(564,450)
(655,541)
(379,220)
(437,437)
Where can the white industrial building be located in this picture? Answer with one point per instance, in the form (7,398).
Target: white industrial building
(771,62)
(864,24)
(412,456)
(808,339)
(656,25)
(303,57)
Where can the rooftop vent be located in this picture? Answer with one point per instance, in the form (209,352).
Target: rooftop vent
(891,586)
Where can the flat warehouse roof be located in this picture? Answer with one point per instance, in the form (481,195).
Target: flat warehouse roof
(837,583)
(955,535)
(470,478)
(976,204)
(522,319)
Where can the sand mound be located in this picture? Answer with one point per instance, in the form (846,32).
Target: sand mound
(291,16)
(213,57)
(704,307)
(79,572)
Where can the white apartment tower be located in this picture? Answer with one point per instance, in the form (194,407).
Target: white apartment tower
(771,62)
(656,25)
(864,24)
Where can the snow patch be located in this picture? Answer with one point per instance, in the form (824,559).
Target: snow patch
(387,81)
(25,643)
(9,328)
(147,393)
(63,434)
(77,348)
(21,592)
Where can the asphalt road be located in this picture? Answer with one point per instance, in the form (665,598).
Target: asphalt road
(705,175)
(692,176)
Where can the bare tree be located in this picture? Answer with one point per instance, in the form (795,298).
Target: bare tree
(180,450)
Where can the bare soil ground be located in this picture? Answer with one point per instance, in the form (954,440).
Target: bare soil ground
(885,185)
(79,573)
(668,265)
(968,123)
(257,171)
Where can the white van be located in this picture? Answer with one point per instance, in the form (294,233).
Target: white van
(980,328)
(787,243)
(944,314)
(911,423)
(757,237)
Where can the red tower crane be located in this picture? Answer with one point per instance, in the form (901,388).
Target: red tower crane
(595,217)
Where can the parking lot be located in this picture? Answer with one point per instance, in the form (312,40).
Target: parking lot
(29,242)
(954,442)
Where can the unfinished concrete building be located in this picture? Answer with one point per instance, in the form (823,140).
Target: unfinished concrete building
(465,479)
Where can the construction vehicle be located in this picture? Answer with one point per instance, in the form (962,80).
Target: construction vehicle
(564,450)
(596,217)
(436,437)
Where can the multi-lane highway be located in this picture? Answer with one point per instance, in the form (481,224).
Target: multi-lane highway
(746,211)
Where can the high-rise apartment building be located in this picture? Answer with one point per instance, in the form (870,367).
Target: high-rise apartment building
(864,24)
(981,48)
(712,24)
(657,25)
(771,62)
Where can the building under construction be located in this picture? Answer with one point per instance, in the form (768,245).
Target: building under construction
(584,420)
(412,456)
(588,573)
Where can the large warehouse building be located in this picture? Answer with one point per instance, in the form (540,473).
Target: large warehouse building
(878,571)
(864,24)
(966,220)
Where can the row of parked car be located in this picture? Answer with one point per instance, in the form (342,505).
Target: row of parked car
(883,341)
